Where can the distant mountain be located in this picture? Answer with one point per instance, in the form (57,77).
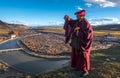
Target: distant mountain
(37,27)
(4,25)
(107,27)
(113,27)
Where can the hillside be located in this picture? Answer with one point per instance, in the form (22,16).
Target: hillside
(5,28)
(114,27)
(105,63)
(5,25)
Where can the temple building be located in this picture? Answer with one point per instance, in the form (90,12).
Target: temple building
(12,34)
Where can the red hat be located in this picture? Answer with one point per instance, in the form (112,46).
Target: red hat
(82,12)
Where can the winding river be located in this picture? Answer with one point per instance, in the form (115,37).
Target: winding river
(23,62)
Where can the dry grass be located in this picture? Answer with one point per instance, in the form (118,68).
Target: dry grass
(100,68)
(104,32)
(61,30)
(4,31)
(96,32)
(51,29)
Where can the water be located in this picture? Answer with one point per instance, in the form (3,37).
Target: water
(9,44)
(27,63)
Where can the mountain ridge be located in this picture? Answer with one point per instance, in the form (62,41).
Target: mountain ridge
(5,25)
(113,27)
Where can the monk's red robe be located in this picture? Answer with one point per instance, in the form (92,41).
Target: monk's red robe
(80,59)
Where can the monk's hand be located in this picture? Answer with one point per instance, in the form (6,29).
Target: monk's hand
(77,28)
(84,54)
(67,39)
(67,18)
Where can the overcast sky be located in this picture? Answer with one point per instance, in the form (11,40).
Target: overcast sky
(51,12)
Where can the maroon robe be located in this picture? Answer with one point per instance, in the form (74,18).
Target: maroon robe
(80,59)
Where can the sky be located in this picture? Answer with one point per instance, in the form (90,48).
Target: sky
(51,12)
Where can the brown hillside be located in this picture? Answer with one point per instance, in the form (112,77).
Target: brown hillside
(4,25)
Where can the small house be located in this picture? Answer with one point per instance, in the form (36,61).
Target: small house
(12,34)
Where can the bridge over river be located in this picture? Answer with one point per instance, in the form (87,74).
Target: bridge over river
(23,62)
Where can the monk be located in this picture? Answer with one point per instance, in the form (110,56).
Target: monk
(81,28)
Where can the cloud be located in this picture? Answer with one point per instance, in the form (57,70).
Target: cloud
(19,22)
(104,19)
(88,4)
(95,23)
(118,22)
(35,23)
(100,21)
(105,3)
(78,7)
(58,23)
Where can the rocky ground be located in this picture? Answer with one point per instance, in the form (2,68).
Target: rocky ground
(47,44)
(54,44)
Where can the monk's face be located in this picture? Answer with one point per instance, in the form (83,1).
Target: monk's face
(79,17)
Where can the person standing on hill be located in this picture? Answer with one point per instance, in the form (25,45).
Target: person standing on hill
(82,30)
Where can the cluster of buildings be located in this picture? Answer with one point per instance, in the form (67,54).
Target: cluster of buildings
(13,34)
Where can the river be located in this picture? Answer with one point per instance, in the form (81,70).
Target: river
(27,63)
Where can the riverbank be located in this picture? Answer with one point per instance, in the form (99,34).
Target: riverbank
(51,45)
(47,43)
(6,70)
(25,49)
(27,63)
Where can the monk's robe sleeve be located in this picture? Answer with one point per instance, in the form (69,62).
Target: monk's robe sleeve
(86,37)
(68,26)
(65,27)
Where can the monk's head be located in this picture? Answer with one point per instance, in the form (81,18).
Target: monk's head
(80,14)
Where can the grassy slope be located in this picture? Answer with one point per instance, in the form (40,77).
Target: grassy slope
(100,68)
(104,32)
(96,32)
(60,30)
(4,32)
